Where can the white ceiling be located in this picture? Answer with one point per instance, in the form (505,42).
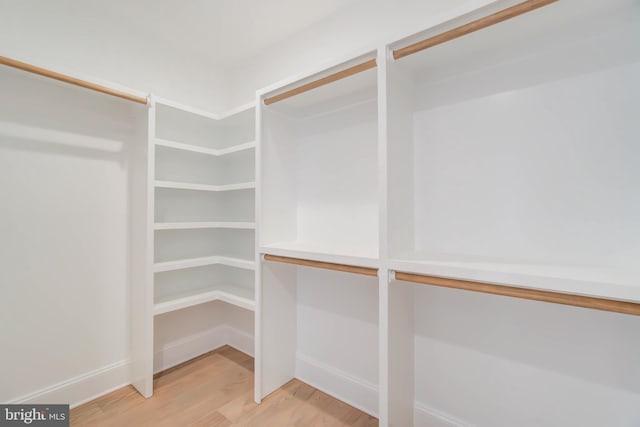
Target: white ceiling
(223,31)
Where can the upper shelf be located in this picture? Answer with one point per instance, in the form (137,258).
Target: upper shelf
(532,47)
(363,256)
(317,98)
(178,124)
(205,150)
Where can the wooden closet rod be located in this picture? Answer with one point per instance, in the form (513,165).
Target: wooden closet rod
(68,79)
(326,265)
(323,81)
(487,21)
(532,294)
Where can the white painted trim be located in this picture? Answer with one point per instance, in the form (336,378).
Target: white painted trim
(240,340)
(359,393)
(426,416)
(188,347)
(93,384)
(82,388)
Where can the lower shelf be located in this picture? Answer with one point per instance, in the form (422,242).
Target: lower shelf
(233,294)
(602,282)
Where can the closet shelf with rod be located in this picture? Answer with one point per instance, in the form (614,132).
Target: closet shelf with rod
(30,68)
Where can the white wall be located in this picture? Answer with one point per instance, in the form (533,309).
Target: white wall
(66,234)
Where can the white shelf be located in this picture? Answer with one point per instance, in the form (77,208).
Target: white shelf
(205,150)
(199,225)
(593,281)
(204,187)
(358,256)
(200,262)
(229,293)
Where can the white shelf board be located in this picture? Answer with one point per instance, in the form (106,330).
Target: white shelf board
(200,262)
(229,293)
(604,282)
(205,150)
(198,225)
(204,187)
(358,256)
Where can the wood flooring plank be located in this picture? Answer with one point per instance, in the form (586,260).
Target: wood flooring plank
(216,390)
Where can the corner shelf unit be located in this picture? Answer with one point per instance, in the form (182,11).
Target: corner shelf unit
(201,216)
(477,155)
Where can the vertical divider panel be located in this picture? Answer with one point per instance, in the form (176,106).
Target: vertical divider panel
(401,352)
(257,317)
(279,325)
(399,217)
(142,292)
(383,243)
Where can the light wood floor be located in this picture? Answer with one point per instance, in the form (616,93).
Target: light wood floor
(216,389)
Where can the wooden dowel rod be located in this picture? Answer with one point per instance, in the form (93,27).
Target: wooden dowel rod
(71,80)
(487,21)
(531,294)
(326,265)
(323,81)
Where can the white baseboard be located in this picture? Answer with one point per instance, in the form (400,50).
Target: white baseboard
(240,340)
(83,388)
(189,347)
(194,345)
(101,381)
(426,416)
(357,392)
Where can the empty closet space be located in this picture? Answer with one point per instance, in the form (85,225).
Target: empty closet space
(512,151)
(319,159)
(491,360)
(320,326)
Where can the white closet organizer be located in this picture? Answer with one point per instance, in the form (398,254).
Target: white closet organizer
(498,158)
(201,223)
(319,201)
(512,160)
(319,169)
